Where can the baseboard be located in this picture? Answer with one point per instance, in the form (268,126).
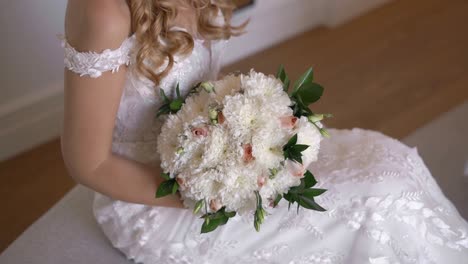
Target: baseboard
(27,122)
(36,118)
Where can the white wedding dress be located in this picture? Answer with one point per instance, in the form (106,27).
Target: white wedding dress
(383,205)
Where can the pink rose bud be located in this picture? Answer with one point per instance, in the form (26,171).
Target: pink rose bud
(261,180)
(200,131)
(221,118)
(288,121)
(295,168)
(248,156)
(181,183)
(215,205)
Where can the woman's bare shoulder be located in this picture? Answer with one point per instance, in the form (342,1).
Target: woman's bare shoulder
(96,25)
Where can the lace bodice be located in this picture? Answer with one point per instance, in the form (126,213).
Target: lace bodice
(136,127)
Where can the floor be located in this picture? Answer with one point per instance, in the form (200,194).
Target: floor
(393,70)
(443,145)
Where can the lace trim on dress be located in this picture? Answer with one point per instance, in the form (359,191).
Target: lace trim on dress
(94,63)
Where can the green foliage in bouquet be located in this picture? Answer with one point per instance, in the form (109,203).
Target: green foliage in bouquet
(170,106)
(304,194)
(214,220)
(304,93)
(293,151)
(169,186)
(259,215)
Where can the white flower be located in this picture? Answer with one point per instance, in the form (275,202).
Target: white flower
(195,106)
(168,142)
(267,146)
(229,85)
(239,194)
(243,115)
(308,134)
(259,84)
(216,148)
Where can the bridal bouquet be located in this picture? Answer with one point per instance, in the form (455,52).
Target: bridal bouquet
(240,145)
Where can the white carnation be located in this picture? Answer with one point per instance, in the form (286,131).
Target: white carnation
(216,148)
(195,106)
(259,84)
(268,146)
(229,85)
(168,142)
(308,134)
(243,115)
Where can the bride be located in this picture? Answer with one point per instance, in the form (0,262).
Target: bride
(383,204)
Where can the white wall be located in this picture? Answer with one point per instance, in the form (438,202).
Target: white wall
(30,73)
(31,58)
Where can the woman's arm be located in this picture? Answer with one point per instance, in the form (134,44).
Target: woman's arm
(91,105)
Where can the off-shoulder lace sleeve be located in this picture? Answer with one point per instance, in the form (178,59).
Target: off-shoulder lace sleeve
(94,63)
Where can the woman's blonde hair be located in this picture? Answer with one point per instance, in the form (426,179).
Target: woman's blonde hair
(150,23)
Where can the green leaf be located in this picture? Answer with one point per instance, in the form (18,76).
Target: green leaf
(309,203)
(196,86)
(296,157)
(223,220)
(165,176)
(291,142)
(309,179)
(299,148)
(178,91)
(176,105)
(259,213)
(230,214)
(259,199)
(281,74)
(198,206)
(307,77)
(313,192)
(218,214)
(165,188)
(163,95)
(213,220)
(277,200)
(286,84)
(164,109)
(324,132)
(210,225)
(208,87)
(299,109)
(309,93)
(298,189)
(257,225)
(175,187)
(273,173)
